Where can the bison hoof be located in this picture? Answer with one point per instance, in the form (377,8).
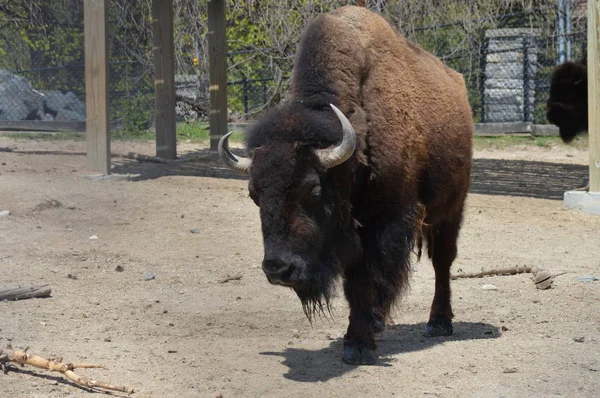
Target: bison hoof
(438,326)
(359,352)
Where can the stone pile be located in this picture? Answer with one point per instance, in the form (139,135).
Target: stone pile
(19,101)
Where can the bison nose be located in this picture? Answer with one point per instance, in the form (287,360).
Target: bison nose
(278,270)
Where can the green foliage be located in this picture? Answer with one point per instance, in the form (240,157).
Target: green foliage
(262,38)
(45,36)
(135,111)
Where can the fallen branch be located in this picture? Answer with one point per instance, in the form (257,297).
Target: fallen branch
(20,357)
(541,278)
(144,158)
(496,271)
(25,292)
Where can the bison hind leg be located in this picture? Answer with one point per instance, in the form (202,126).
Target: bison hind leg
(442,239)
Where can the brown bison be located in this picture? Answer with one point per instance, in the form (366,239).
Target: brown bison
(370,155)
(567,106)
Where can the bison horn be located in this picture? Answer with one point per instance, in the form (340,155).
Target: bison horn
(332,157)
(232,161)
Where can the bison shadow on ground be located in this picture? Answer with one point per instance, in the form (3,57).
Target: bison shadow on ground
(325,364)
(489,176)
(203,163)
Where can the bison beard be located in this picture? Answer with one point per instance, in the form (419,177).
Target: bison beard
(316,295)
(567,105)
(369,158)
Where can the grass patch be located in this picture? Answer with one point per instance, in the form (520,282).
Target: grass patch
(47,136)
(505,142)
(199,131)
(186,131)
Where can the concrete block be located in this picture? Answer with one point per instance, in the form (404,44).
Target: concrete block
(588,202)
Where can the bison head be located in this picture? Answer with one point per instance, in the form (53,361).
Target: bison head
(304,209)
(567,106)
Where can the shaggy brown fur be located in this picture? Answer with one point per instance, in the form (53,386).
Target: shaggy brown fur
(567,106)
(408,177)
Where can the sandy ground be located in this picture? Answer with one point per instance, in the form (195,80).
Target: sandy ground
(187,333)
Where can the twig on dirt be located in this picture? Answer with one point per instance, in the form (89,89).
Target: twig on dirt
(495,271)
(20,357)
(25,292)
(232,278)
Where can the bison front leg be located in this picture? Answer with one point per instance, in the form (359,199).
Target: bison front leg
(359,341)
(372,286)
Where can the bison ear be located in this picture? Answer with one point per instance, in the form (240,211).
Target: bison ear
(335,156)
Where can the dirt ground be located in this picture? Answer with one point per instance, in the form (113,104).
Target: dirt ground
(187,333)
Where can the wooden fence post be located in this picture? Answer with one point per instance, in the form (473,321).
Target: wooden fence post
(589,202)
(95,26)
(164,78)
(594,92)
(217,58)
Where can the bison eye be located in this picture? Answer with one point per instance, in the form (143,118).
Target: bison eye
(316,192)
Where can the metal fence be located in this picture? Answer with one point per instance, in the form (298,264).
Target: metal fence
(506,60)
(47,94)
(515,70)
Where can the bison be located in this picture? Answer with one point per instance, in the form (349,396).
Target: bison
(369,158)
(567,106)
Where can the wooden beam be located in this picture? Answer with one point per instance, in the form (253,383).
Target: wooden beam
(593,48)
(545,130)
(95,17)
(217,58)
(164,78)
(494,129)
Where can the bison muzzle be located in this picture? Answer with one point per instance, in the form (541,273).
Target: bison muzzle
(369,158)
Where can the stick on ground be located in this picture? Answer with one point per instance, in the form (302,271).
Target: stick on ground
(25,292)
(495,271)
(20,357)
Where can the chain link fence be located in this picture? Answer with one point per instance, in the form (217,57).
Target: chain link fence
(48,94)
(506,60)
(515,71)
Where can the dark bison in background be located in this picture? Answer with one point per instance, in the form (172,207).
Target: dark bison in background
(567,106)
(370,156)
